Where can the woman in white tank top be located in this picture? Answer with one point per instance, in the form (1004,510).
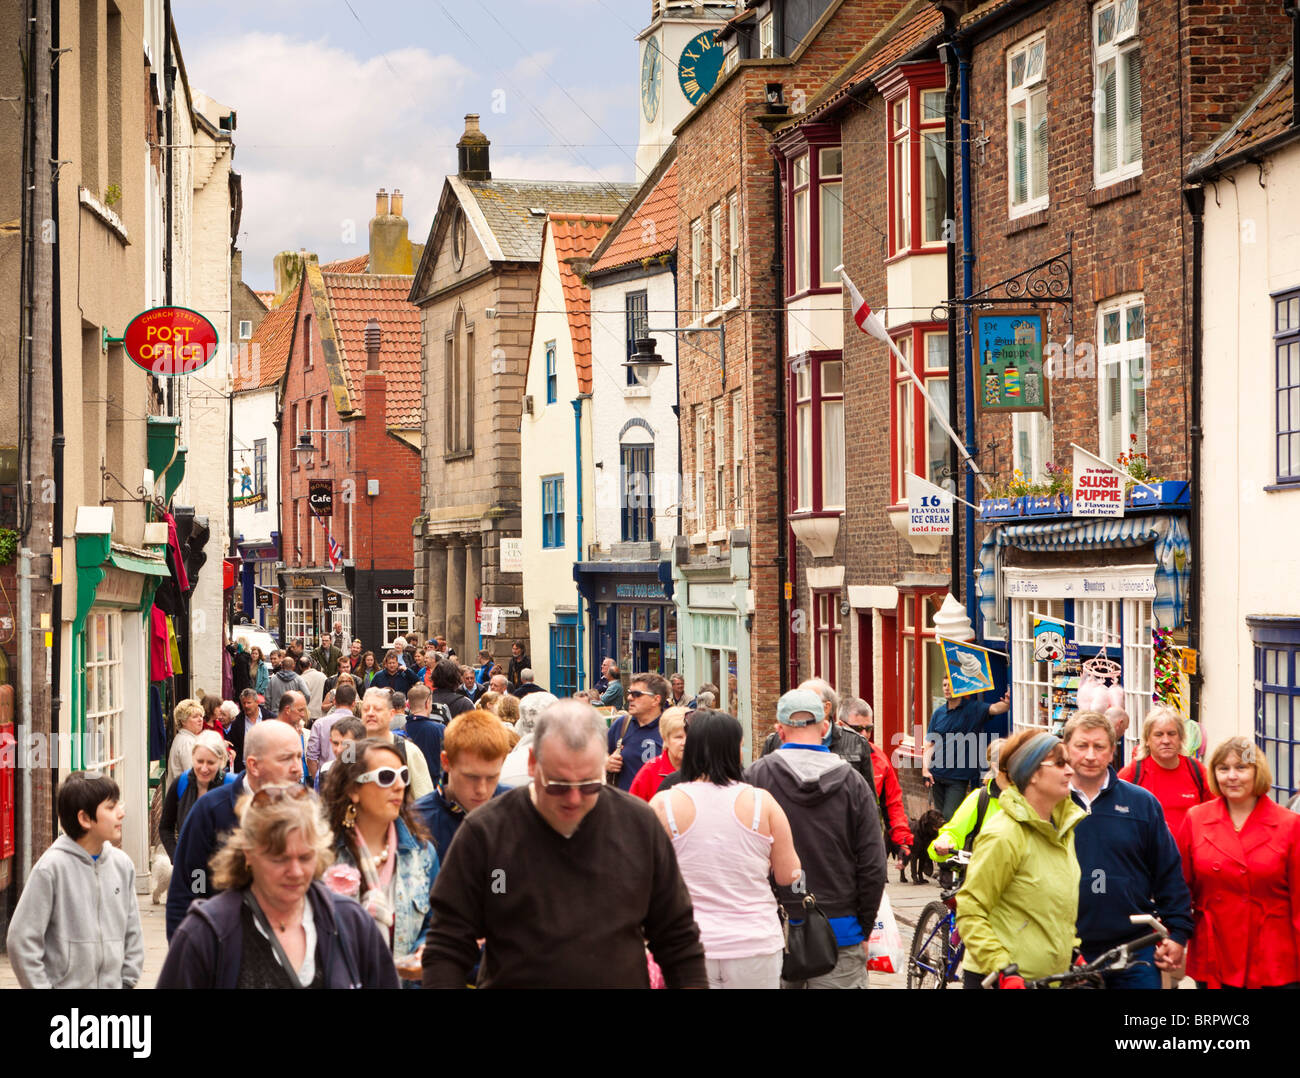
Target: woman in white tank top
(728,837)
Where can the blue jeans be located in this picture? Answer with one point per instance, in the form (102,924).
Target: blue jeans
(948,795)
(1137,976)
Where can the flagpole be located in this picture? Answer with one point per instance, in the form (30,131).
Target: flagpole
(943,422)
(1117,470)
(954,497)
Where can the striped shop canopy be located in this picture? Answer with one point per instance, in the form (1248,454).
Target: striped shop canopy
(1172,548)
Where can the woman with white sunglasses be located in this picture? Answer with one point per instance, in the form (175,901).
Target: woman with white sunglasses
(367,796)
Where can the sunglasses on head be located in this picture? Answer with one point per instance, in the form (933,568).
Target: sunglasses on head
(384,777)
(272,795)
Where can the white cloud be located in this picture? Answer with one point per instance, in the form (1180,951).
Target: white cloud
(320,129)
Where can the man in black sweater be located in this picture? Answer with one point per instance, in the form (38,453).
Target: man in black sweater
(565,879)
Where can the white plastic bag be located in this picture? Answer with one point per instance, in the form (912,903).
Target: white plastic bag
(885,948)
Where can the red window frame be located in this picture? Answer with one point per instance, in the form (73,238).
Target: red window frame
(813,361)
(827,629)
(916,332)
(909,81)
(809,139)
(919,634)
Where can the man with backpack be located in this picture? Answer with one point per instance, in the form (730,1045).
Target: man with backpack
(1178,782)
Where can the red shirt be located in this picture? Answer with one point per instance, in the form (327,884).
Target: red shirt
(648,779)
(1175,788)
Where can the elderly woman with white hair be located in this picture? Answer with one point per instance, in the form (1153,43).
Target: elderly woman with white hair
(188,718)
(1178,782)
(207,772)
(514,772)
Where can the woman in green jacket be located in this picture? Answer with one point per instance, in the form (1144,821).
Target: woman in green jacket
(963,829)
(1021,895)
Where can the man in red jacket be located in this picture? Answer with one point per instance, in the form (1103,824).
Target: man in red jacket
(855,714)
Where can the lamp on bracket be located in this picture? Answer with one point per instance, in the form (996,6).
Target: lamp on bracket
(645,363)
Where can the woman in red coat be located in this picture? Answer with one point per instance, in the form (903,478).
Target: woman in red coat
(1241,858)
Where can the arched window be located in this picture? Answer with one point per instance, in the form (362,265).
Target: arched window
(458,386)
(636,485)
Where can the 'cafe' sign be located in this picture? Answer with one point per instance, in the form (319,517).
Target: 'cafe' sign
(320,496)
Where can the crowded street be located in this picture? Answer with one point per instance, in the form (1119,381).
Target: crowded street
(673,494)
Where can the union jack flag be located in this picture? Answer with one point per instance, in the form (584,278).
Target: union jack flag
(336,551)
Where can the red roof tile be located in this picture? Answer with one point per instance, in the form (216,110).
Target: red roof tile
(268,348)
(1268,114)
(355,298)
(655,220)
(267,298)
(348,265)
(575,236)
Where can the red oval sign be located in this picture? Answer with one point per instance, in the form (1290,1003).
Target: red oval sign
(169,341)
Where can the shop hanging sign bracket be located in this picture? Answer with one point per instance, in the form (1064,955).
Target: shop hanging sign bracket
(1049,282)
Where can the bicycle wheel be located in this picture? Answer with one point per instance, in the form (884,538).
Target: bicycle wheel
(927,964)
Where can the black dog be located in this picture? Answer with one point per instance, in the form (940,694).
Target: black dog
(924,831)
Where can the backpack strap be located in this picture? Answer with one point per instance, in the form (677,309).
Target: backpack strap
(1196,777)
(981,808)
(1137,770)
(182,784)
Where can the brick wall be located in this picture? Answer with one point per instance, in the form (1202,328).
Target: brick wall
(722,147)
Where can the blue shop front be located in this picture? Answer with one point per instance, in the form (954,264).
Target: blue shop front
(630,614)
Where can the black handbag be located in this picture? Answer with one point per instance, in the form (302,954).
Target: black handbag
(810,947)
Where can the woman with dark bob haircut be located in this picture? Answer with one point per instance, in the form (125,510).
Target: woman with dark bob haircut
(729,837)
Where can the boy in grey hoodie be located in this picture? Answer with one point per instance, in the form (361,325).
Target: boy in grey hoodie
(77,924)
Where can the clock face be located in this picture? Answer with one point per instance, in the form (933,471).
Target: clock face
(698,69)
(652,79)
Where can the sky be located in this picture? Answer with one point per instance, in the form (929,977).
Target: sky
(338,98)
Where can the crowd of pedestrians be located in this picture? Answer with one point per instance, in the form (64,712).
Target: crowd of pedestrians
(420,822)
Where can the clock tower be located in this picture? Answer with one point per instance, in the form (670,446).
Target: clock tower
(678,63)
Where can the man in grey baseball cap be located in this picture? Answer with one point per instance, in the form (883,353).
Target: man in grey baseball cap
(836,826)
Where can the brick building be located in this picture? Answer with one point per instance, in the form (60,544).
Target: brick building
(730,568)
(476,286)
(350,423)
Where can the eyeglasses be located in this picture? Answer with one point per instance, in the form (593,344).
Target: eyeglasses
(559,789)
(273,795)
(384,777)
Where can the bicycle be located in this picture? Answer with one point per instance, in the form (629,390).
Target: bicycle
(1090,975)
(937,948)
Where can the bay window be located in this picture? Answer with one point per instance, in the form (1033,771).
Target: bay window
(814,208)
(817,432)
(917,159)
(799,222)
(1117,91)
(919,443)
(1027,126)
(830,205)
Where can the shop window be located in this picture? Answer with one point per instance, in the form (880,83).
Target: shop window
(637,469)
(1121,376)
(826,636)
(918,192)
(564,655)
(1277,699)
(1286,357)
(1117,92)
(636,320)
(299,623)
(103,746)
(817,432)
(919,442)
(1027,126)
(553,512)
(399,618)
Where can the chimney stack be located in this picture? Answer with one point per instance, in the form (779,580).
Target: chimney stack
(390,246)
(472,151)
(372,338)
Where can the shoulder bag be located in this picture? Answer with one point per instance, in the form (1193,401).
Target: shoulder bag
(810,947)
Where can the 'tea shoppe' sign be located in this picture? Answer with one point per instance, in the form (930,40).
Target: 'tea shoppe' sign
(1098,489)
(170,341)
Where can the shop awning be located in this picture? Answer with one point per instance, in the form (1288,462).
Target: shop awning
(1168,533)
(136,563)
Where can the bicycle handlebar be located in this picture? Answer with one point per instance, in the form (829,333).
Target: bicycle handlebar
(1101,964)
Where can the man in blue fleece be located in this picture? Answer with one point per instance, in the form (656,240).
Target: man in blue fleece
(1128,860)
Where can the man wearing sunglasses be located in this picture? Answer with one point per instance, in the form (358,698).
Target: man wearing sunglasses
(566,880)
(634,739)
(272,757)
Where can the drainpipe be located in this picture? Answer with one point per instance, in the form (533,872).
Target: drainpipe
(787,656)
(56,365)
(950,127)
(577,452)
(1195,198)
(967,275)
